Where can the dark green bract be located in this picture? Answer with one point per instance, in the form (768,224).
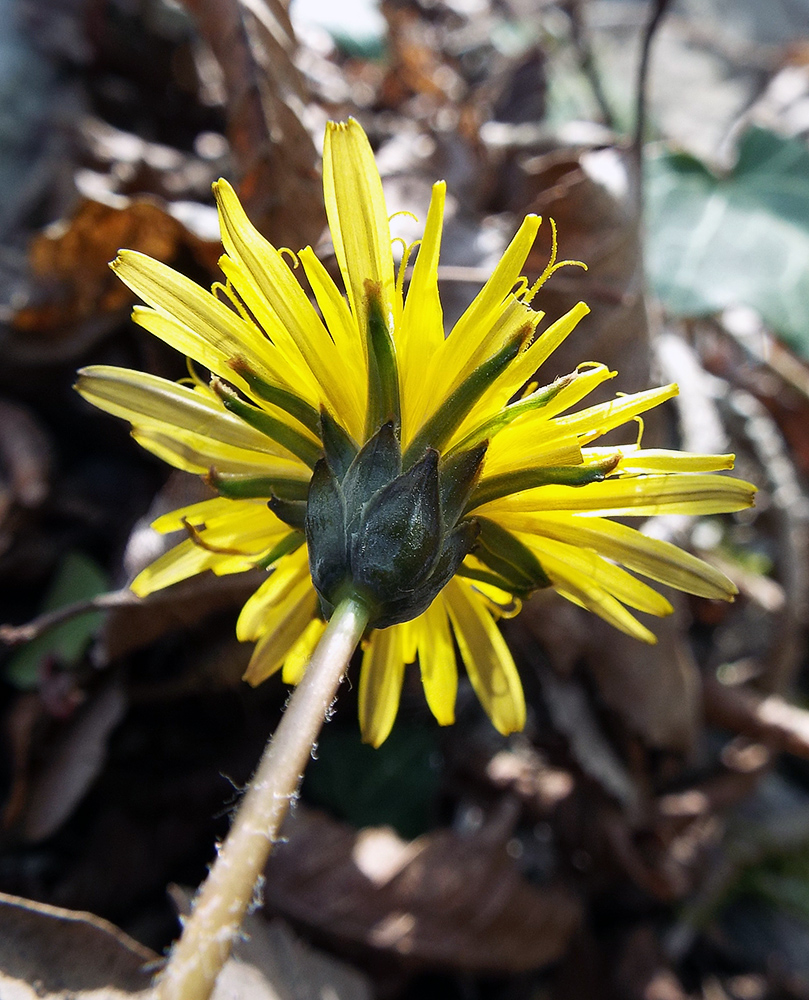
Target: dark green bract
(392,536)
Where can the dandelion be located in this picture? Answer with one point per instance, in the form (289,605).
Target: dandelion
(355,449)
(409,487)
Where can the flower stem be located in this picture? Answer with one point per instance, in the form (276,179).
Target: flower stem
(222,901)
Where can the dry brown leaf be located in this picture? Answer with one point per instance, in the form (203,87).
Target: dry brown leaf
(74,762)
(47,953)
(441,901)
(278,182)
(417,64)
(71,260)
(286,967)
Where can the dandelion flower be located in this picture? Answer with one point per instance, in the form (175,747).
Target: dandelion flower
(357,450)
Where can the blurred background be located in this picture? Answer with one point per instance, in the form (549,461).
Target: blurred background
(647,837)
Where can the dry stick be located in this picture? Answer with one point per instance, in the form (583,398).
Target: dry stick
(224,897)
(658,10)
(15,635)
(580,36)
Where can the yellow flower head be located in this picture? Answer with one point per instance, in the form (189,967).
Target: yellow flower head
(356,450)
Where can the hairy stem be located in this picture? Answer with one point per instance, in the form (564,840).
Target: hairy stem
(223,898)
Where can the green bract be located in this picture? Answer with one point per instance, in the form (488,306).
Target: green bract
(393,537)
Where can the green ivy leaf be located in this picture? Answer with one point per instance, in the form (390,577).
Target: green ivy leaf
(740,239)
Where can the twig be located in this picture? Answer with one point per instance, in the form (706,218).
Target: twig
(658,10)
(769,719)
(14,635)
(580,37)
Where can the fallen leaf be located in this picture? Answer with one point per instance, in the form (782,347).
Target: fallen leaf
(73,284)
(768,718)
(185,604)
(439,901)
(47,953)
(654,690)
(74,761)
(271,961)
(589,196)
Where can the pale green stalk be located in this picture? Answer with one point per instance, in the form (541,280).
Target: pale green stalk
(219,908)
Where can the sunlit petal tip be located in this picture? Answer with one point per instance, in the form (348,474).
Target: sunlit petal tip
(262,665)
(222,187)
(141,586)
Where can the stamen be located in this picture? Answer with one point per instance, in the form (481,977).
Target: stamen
(193,378)
(520,286)
(505,610)
(293,256)
(197,539)
(401,240)
(641,427)
(400,277)
(231,299)
(404,211)
(552,266)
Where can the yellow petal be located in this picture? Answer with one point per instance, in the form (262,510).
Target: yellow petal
(546,343)
(266,362)
(184,560)
(439,671)
(380,684)
(153,403)
(527,440)
(524,367)
(285,622)
(351,347)
(294,325)
(642,496)
(583,590)
(422,327)
(603,574)
(229,524)
(597,420)
(659,560)
(297,659)
(212,332)
(488,303)
(289,359)
(289,573)
(358,218)
(513,452)
(513,318)
(660,460)
(488,661)
(457,359)
(192,454)
(218,511)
